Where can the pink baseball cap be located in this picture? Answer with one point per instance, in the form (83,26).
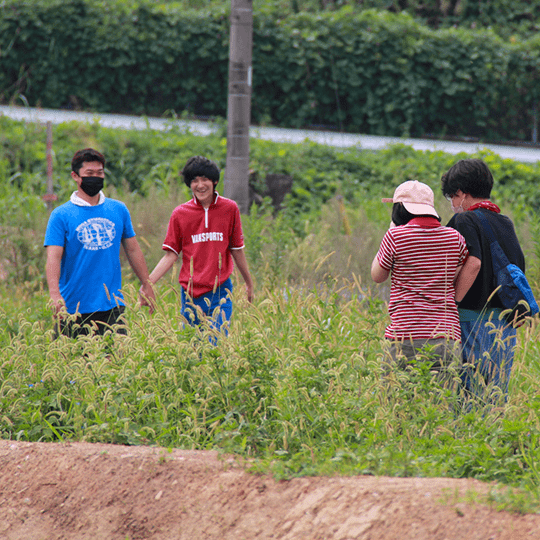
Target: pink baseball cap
(416,197)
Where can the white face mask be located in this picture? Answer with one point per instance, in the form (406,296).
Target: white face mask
(457,209)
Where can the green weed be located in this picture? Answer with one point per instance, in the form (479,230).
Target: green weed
(298,386)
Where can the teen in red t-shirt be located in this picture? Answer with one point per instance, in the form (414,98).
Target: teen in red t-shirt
(207,231)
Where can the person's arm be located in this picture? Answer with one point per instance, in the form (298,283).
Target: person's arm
(378,273)
(52,271)
(241,263)
(136,260)
(163,266)
(466,277)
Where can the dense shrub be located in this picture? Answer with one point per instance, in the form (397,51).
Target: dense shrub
(368,72)
(140,161)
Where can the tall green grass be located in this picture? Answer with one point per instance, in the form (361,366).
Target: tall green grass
(297,386)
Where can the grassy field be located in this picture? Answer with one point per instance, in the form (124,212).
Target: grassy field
(298,383)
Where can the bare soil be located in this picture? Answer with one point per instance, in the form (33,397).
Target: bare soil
(86,491)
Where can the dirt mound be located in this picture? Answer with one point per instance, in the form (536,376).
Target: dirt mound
(105,492)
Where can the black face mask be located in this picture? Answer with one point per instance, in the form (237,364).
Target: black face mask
(91,185)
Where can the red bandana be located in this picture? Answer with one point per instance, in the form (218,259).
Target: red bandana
(488,205)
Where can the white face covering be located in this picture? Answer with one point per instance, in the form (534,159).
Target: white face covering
(459,209)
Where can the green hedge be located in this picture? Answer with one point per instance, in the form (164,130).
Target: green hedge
(372,72)
(145,165)
(142,161)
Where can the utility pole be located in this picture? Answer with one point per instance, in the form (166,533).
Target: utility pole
(236,178)
(49,197)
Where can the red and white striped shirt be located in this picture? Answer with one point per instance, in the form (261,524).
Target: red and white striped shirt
(423,258)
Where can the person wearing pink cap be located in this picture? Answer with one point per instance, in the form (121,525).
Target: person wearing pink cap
(424,260)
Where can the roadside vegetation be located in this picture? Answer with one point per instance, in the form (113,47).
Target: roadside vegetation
(297,387)
(506,17)
(380,71)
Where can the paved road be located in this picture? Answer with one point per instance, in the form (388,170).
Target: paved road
(330,138)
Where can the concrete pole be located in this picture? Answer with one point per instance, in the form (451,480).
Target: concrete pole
(236,177)
(49,197)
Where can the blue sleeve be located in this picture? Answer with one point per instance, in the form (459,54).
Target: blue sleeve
(128,230)
(55,235)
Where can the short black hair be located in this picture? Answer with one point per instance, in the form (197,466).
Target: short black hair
(86,155)
(200,166)
(471,176)
(401,216)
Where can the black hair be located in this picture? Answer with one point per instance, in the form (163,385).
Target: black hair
(401,216)
(87,155)
(200,166)
(471,176)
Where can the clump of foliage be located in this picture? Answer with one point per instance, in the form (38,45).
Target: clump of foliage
(344,185)
(297,386)
(362,71)
(506,17)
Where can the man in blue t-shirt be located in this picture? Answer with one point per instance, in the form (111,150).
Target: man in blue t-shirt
(83,241)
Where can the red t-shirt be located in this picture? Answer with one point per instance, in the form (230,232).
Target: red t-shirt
(423,257)
(205,239)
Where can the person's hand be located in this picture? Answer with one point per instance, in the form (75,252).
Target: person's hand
(57,305)
(147,297)
(249,293)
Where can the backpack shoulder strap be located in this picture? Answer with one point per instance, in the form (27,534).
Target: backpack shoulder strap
(485,224)
(498,256)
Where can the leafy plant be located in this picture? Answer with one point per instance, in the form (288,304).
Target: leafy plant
(350,70)
(298,386)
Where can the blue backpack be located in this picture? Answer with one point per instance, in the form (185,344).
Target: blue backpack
(510,282)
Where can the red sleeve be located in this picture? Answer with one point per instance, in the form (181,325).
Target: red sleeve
(463,251)
(385,256)
(237,235)
(173,238)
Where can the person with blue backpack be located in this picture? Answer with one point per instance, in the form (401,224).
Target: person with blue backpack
(487,319)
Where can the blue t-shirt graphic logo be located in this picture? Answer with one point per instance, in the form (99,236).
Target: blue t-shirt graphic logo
(96,233)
